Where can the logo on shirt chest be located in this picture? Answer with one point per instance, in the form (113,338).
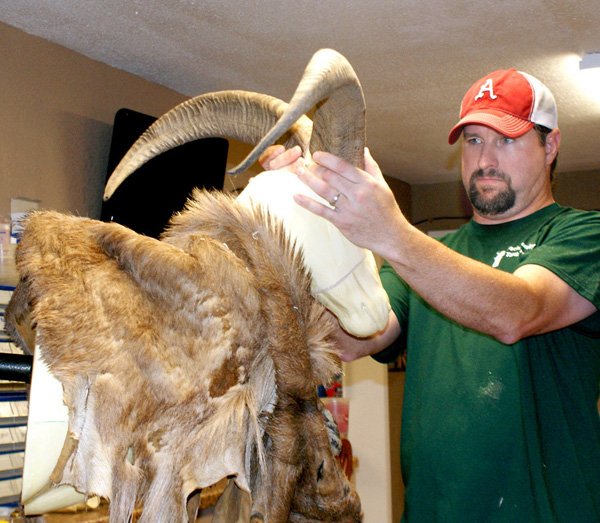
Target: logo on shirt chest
(512,252)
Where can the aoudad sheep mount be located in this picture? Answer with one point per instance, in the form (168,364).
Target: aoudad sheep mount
(182,361)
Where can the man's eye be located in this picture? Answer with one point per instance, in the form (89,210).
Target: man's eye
(507,140)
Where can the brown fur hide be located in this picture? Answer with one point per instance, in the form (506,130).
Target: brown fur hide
(184,361)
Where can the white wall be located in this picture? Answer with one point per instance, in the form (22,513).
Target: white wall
(366,386)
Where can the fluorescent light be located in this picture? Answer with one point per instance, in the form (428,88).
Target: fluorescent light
(590,61)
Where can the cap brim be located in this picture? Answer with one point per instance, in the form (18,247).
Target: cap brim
(505,124)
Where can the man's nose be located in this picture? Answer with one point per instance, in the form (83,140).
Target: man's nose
(488,157)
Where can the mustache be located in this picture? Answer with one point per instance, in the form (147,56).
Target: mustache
(489,173)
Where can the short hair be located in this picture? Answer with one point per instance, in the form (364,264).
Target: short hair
(543,133)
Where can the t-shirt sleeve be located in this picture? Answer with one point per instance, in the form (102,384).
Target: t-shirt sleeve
(571,250)
(397,291)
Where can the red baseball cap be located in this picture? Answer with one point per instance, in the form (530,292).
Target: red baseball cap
(508,101)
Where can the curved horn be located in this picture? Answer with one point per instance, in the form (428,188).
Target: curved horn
(338,123)
(242,115)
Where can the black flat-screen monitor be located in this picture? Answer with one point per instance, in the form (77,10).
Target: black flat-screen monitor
(148,198)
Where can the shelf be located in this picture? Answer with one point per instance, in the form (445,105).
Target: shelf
(13,410)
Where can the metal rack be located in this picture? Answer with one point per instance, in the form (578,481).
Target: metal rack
(13,416)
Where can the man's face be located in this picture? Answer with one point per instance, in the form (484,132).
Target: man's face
(504,177)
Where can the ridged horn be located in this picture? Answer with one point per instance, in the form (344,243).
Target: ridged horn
(339,122)
(242,115)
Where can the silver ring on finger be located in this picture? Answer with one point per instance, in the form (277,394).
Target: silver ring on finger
(334,200)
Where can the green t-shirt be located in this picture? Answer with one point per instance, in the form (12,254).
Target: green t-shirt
(504,433)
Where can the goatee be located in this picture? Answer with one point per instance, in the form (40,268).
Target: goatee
(499,203)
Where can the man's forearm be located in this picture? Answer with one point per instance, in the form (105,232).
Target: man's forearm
(503,305)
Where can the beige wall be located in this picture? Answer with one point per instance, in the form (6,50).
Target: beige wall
(578,189)
(57,109)
(402,191)
(431,202)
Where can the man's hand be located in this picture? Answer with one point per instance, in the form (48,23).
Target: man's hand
(278,157)
(362,205)
(350,348)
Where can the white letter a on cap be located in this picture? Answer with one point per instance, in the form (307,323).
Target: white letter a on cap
(487,87)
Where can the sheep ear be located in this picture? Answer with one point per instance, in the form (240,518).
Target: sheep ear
(233,506)
(192,505)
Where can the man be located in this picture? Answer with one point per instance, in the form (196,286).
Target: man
(500,319)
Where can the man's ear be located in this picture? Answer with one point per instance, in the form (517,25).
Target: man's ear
(552,145)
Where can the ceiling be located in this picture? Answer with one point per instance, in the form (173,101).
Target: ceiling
(415,59)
